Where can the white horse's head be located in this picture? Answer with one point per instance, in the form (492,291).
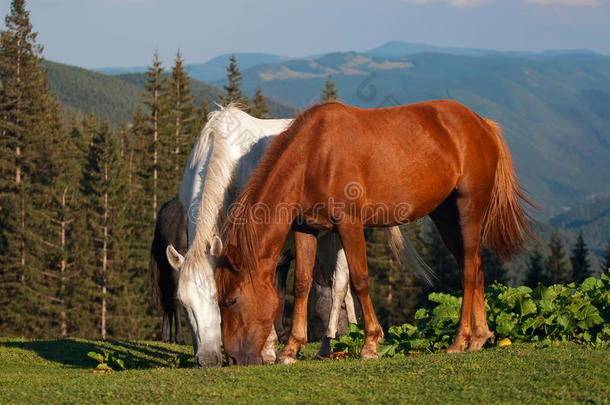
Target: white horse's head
(197,293)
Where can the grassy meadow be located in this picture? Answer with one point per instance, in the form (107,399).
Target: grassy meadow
(59,371)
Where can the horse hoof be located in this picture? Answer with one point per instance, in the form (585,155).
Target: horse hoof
(478,341)
(369,353)
(325,350)
(285,360)
(458,345)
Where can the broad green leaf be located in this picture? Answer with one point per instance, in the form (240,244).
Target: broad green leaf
(96,356)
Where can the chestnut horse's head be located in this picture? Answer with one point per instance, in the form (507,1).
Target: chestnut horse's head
(249,302)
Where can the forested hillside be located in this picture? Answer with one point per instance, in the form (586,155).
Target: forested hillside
(82,91)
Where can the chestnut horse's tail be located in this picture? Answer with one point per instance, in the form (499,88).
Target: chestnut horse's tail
(406,254)
(505,225)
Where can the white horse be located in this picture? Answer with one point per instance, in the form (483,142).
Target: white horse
(221,162)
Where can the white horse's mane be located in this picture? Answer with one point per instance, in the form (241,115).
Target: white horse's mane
(210,213)
(228,130)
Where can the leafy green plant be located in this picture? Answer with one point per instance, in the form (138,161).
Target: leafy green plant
(109,361)
(350,343)
(573,312)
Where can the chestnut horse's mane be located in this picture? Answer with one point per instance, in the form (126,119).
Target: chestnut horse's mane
(238,228)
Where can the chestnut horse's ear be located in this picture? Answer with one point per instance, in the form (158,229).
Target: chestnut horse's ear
(234,257)
(216,247)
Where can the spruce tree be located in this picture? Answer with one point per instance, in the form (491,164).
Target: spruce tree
(202,116)
(330,92)
(557,267)
(62,291)
(605,264)
(493,269)
(535,269)
(25,121)
(150,126)
(104,187)
(259,105)
(233,89)
(581,267)
(178,132)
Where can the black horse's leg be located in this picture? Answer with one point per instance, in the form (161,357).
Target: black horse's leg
(166,328)
(178,322)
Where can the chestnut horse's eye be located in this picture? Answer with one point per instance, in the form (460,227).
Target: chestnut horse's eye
(229,301)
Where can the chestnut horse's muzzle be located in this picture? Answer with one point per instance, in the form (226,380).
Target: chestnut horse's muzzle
(245,360)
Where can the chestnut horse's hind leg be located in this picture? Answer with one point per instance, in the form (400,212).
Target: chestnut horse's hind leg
(305,244)
(352,237)
(459,220)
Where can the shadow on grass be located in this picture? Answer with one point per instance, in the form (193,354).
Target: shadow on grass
(73,353)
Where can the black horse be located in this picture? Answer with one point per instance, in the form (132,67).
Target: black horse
(171,228)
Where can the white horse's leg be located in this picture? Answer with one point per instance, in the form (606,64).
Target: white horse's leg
(268,352)
(349,305)
(340,290)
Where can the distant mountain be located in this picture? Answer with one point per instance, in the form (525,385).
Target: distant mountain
(592,219)
(554,108)
(81,91)
(397,49)
(121,70)
(215,69)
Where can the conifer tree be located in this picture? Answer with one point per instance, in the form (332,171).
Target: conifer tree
(62,291)
(178,132)
(202,116)
(105,190)
(330,92)
(581,267)
(492,267)
(25,110)
(605,264)
(233,89)
(535,269)
(150,127)
(557,267)
(259,105)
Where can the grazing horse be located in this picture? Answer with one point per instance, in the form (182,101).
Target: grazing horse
(221,162)
(342,168)
(170,229)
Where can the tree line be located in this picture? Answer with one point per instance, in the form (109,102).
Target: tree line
(79,199)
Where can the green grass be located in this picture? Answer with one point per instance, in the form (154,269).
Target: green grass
(59,371)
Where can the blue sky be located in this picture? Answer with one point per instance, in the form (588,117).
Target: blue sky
(98,33)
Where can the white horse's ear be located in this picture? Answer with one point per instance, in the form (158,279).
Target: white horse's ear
(216,248)
(174,258)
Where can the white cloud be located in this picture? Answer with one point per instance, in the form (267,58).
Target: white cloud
(565,2)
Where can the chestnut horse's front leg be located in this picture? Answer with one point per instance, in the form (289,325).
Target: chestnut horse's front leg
(305,245)
(351,232)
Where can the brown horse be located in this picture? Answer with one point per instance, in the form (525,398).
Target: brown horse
(342,168)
